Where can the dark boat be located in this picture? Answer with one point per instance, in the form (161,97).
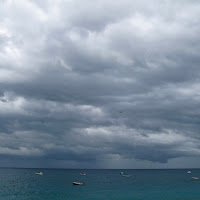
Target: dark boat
(14,183)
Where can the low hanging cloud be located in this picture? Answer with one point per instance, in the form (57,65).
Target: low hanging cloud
(83,83)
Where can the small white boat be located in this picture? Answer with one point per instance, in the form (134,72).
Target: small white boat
(122,173)
(83,174)
(77,183)
(195,178)
(39,173)
(126,175)
(189,172)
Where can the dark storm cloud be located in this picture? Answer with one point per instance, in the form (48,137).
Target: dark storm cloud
(98,82)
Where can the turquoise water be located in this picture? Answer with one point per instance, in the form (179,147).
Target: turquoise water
(56,184)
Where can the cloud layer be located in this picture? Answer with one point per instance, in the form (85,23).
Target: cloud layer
(95,83)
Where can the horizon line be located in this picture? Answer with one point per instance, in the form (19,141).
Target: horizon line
(98,168)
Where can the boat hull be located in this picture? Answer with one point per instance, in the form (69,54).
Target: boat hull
(77,183)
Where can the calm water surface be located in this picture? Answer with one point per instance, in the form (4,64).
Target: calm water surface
(56,184)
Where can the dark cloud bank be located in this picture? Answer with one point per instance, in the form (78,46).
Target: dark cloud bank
(99,84)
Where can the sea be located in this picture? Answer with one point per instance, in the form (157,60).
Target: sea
(102,184)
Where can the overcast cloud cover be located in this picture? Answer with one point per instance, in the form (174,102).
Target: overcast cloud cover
(99,83)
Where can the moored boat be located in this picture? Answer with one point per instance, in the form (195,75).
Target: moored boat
(14,183)
(77,183)
(195,178)
(83,174)
(126,175)
(39,173)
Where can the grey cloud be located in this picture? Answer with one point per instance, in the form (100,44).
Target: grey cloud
(99,81)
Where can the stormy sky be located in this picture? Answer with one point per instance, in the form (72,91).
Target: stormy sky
(99,83)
